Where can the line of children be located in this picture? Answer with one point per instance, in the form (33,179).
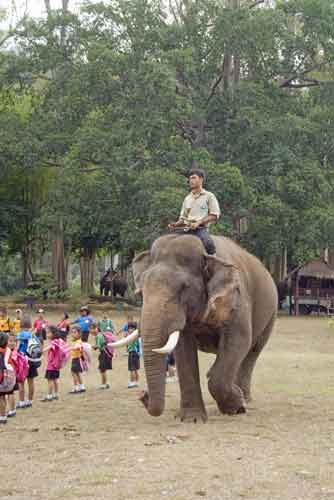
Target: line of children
(17,352)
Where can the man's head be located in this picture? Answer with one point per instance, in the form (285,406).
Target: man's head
(196,178)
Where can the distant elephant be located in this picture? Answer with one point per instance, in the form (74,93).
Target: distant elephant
(224,305)
(114,284)
(119,286)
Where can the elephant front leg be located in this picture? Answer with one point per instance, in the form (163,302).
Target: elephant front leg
(192,407)
(233,347)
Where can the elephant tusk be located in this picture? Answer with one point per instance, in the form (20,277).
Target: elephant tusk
(170,345)
(129,338)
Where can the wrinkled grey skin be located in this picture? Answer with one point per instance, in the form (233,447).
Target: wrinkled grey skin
(224,305)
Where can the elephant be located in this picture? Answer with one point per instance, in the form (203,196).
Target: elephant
(120,286)
(224,304)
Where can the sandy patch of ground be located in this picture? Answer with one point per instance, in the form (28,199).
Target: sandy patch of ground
(104,445)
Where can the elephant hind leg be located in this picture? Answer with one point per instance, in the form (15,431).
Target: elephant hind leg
(244,376)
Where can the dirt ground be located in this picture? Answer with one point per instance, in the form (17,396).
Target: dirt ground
(103,444)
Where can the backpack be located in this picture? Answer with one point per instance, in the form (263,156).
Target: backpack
(61,353)
(20,365)
(34,351)
(86,357)
(109,338)
(7,376)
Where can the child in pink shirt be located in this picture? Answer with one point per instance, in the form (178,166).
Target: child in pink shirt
(53,366)
(40,326)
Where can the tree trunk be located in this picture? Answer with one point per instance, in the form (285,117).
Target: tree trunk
(47,4)
(231,64)
(278,266)
(87,270)
(58,257)
(27,264)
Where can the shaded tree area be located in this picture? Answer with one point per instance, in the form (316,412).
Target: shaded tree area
(103,112)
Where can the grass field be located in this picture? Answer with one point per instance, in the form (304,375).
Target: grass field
(103,444)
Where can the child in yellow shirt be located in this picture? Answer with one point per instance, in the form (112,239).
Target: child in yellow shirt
(16,323)
(76,367)
(4,321)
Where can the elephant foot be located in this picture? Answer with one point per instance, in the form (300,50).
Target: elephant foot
(230,402)
(247,397)
(192,415)
(232,405)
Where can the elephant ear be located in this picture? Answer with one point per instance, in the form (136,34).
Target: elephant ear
(139,265)
(223,287)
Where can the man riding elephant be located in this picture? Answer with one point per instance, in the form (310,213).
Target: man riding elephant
(199,209)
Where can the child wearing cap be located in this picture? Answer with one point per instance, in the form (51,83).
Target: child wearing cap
(84,322)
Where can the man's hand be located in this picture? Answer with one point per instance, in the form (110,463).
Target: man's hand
(172,226)
(195,225)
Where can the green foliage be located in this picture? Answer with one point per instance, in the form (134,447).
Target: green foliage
(108,109)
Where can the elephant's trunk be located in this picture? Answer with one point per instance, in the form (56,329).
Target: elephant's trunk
(155,368)
(155,332)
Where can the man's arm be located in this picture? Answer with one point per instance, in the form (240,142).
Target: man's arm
(180,222)
(203,222)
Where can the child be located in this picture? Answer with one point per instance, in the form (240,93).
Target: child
(7,376)
(133,360)
(52,368)
(16,323)
(40,326)
(11,397)
(23,338)
(105,356)
(4,321)
(84,321)
(77,354)
(64,326)
(170,368)
(125,327)
(106,324)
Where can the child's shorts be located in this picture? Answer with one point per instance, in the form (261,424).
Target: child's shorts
(52,374)
(76,366)
(133,361)
(33,372)
(105,362)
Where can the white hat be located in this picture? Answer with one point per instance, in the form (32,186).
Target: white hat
(40,311)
